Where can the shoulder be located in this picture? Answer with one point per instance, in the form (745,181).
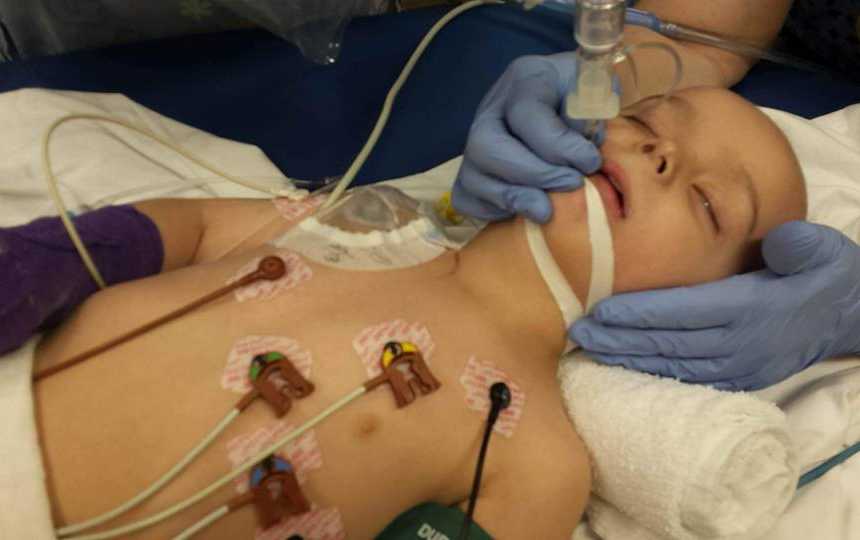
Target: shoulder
(236,225)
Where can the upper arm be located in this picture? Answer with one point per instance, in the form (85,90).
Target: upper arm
(201,230)
(756,22)
(180,225)
(233,225)
(544,498)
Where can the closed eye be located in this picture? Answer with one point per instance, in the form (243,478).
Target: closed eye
(709,207)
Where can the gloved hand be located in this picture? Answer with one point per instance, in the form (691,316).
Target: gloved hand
(42,277)
(746,332)
(521,145)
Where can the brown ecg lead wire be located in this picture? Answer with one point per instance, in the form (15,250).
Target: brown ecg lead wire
(270,268)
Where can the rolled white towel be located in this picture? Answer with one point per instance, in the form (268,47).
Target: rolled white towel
(685,462)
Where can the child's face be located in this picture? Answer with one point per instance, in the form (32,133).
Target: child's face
(703,176)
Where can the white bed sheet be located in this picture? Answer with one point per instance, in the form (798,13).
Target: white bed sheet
(823,403)
(96,160)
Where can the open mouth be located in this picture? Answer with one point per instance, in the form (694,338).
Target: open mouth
(615,185)
(618,181)
(612,192)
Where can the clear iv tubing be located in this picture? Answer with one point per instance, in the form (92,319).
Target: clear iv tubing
(638,17)
(685,33)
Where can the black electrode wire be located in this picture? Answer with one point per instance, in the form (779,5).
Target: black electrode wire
(476,484)
(500,397)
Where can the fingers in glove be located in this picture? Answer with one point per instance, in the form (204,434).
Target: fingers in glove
(798,246)
(693,370)
(469,204)
(495,194)
(494,151)
(684,308)
(533,116)
(741,384)
(679,344)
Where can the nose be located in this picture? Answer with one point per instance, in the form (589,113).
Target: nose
(662,156)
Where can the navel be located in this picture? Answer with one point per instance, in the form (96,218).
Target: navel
(366,425)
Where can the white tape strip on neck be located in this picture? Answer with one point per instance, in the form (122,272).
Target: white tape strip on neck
(602,262)
(559,288)
(602,250)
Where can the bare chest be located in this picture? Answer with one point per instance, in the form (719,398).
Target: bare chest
(142,405)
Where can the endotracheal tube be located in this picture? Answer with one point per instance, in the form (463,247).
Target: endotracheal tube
(598,30)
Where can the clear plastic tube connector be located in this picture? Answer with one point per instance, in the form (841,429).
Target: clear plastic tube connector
(599,25)
(598,29)
(592,96)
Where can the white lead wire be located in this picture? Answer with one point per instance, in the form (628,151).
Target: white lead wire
(347,179)
(90,264)
(148,492)
(202,494)
(203,523)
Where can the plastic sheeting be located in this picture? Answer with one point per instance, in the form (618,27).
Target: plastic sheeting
(315,26)
(42,27)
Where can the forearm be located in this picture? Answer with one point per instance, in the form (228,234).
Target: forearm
(753,22)
(656,71)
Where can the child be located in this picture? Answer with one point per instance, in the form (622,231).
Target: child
(690,187)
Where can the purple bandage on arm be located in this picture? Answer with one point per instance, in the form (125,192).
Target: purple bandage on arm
(42,277)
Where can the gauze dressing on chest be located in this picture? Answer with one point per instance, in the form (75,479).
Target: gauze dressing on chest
(371,228)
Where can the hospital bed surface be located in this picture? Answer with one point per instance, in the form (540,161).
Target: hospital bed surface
(311,120)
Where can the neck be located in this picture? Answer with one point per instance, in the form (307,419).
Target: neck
(497,269)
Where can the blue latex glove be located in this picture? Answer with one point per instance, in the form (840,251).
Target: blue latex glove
(745,332)
(520,145)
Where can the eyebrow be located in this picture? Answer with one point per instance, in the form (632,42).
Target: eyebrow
(688,112)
